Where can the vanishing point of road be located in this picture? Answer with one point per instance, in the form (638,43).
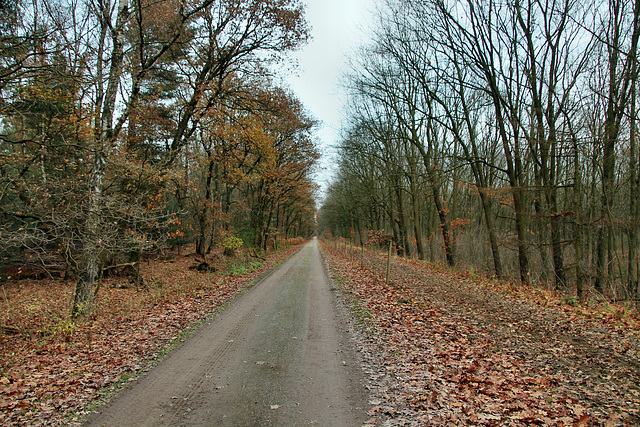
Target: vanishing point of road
(279,355)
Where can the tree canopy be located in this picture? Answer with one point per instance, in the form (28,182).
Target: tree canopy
(130,125)
(500,135)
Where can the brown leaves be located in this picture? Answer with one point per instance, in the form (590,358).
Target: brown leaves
(450,348)
(45,377)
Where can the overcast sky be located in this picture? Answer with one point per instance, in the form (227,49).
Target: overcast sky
(338,27)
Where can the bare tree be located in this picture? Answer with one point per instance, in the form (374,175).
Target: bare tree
(620,36)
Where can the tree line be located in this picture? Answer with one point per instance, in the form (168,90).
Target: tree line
(130,125)
(501,135)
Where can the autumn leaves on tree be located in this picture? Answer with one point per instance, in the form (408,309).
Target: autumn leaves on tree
(133,124)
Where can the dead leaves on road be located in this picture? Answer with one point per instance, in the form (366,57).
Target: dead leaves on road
(444,348)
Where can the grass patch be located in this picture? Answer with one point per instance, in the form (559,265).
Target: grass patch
(243,267)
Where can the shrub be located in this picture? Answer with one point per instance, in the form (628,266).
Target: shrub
(230,245)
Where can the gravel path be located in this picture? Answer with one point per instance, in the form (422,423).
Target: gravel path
(281,354)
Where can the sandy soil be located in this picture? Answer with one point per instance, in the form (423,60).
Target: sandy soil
(281,354)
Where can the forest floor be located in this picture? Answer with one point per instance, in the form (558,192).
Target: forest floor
(440,346)
(52,367)
(446,347)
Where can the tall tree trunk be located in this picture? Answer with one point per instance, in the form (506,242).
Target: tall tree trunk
(432,227)
(455,194)
(556,248)
(83,301)
(634,209)
(515,176)
(417,220)
(608,177)
(394,221)
(206,214)
(447,237)
(359,231)
(441,210)
(634,206)
(517,193)
(551,196)
(415,200)
(470,150)
(405,250)
(619,91)
(577,218)
(104,138)
(543,236)
(493,239)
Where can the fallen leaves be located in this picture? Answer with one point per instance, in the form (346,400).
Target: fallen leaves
(445,348)
(49,376)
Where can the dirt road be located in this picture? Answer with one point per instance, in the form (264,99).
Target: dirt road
(280,355)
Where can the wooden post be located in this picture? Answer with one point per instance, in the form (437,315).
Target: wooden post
(362,257)
(351,247)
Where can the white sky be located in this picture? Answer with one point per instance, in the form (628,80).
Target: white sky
(338,27)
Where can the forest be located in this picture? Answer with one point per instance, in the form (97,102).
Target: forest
(128,127)
(499,136)
(478,250)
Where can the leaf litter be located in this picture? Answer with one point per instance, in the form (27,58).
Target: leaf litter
(54,367)
(450,348)
(442,347)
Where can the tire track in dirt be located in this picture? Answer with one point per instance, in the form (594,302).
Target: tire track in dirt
(205,363)
(188,376)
